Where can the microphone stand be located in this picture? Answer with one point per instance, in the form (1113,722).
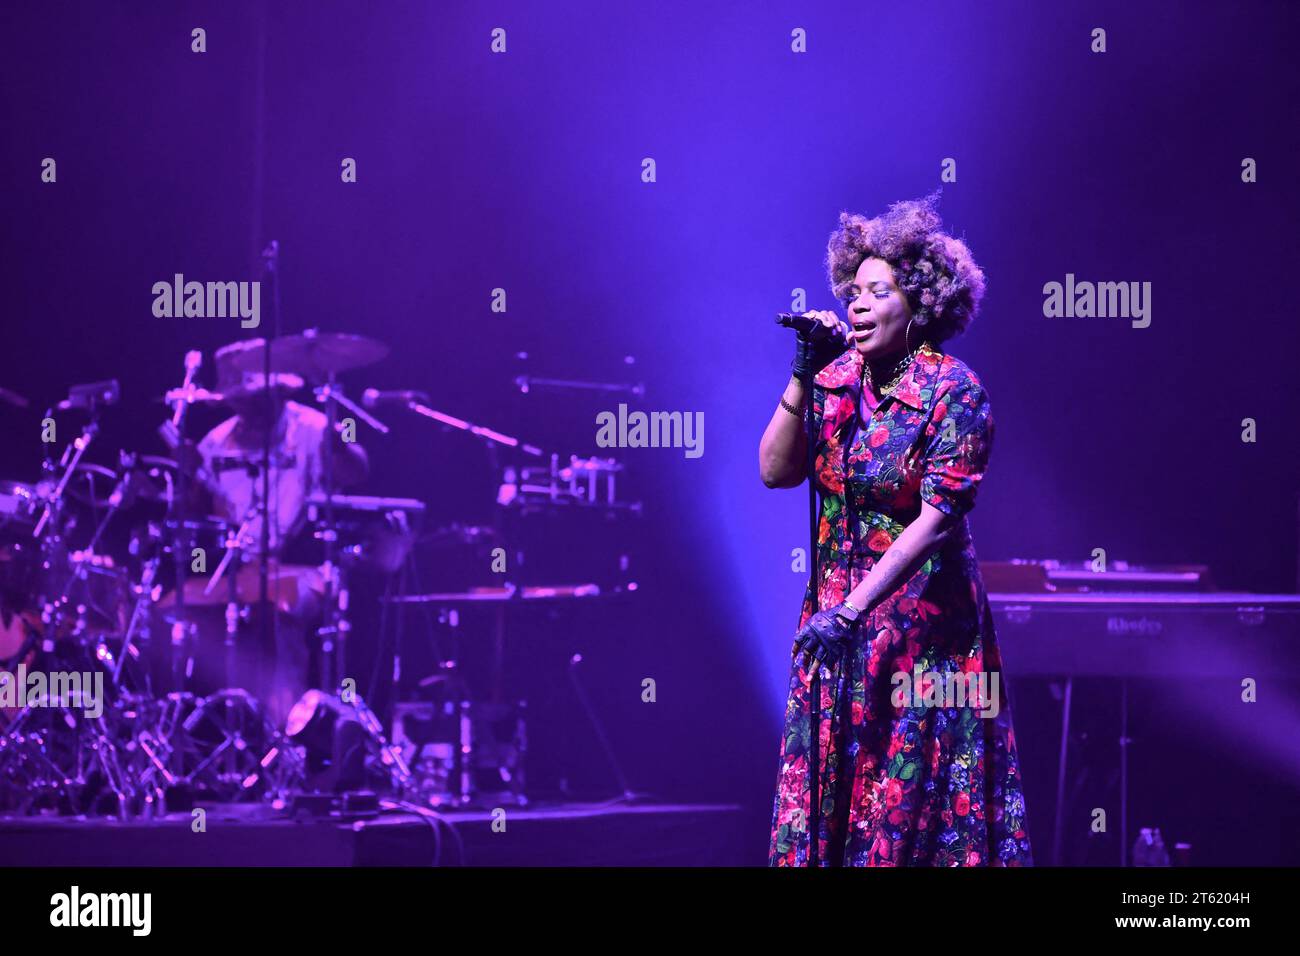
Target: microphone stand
(271,267)
(336,629)
(815,685)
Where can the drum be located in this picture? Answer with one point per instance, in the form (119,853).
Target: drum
(272,668)
(59,745)
(19,559)
(17,510)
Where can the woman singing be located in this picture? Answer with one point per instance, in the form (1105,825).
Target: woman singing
(916,754)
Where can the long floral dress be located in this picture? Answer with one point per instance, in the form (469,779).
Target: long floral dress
(909,776)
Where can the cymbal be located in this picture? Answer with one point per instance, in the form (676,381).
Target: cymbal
(312,354)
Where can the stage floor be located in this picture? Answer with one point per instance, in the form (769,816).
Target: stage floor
(555,834)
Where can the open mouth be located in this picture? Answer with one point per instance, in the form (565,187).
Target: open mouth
(862,329)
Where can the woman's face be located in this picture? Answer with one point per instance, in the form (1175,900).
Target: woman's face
(877,311)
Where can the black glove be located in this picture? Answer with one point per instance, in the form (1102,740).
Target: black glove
(812,353)
(826,636)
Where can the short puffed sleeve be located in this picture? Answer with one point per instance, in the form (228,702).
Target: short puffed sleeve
(958,441)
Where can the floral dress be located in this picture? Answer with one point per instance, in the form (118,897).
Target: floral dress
(912,771)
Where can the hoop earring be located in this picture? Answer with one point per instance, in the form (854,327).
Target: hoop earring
(907,342)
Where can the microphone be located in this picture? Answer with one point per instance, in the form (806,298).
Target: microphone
(373,397)
(810,327)
(88,396)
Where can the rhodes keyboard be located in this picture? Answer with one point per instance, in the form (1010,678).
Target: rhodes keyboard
(1146,634)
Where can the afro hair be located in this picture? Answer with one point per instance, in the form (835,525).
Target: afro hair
(934,270)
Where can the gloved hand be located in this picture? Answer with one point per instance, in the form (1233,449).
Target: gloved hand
(825,636)
(813,352)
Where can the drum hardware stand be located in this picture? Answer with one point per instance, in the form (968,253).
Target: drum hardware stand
(493,439)
(161,735)
(234,613)
(457,690)
(139,622)
(156,752)
(389,754)
(93,740)
(231,698)
(526,383)
(92,398)
(580,485)
(577,484)
(628,795)
(173,435)
(335,630)
(478,431)
(126,466)
(231,712)
(585,483)
(159,722)
(106,756)
(68,462)
(100,740)
(159,739)
(50,529)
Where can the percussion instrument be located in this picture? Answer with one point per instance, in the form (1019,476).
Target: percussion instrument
(178,630)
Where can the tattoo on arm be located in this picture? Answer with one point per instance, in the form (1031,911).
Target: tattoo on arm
(896,565)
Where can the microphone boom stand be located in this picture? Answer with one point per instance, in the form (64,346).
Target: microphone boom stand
(271,266)
(815,685)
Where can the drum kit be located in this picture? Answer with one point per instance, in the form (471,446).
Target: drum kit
(133,673)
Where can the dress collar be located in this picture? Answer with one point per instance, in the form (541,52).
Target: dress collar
(846,371)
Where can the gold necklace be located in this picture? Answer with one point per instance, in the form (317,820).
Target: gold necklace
(900,370)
